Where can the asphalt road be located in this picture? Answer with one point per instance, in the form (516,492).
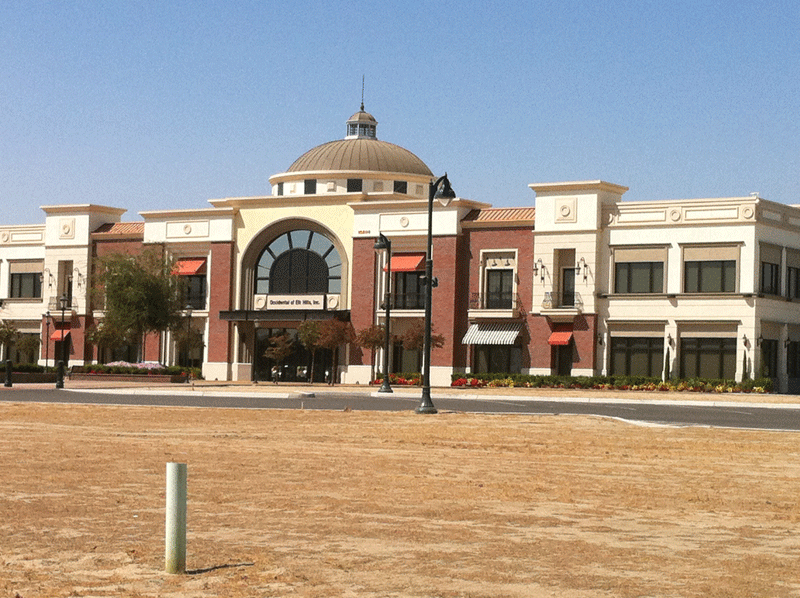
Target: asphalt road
(655,412)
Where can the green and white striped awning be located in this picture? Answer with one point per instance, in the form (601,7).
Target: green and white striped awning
(492,333)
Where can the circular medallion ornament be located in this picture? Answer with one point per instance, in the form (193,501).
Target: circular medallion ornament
(187,229)
(748,212)
(66,228)
(675,215)
(4,237)
(404,221)
(565,210)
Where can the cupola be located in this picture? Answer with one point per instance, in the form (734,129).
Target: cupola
(361,125)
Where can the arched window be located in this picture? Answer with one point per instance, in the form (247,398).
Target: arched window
(299,262)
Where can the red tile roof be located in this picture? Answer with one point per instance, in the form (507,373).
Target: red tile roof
(121,228)
(505,215)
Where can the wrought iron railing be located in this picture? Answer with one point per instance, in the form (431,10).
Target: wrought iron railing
(570,300)
(500,300)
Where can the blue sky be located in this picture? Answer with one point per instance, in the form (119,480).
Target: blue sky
(150,105)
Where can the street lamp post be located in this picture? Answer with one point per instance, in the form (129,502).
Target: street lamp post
(441,191)
(385,244)
(188,340)
(46,339)
(62,301)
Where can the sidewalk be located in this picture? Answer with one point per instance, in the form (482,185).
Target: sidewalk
(292,390)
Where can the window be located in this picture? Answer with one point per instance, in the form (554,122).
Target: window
(299,262)
(769,358)
(770,278)
(634,356)
(354,185)
(280,188)
(406,361)
(708,358)
(639,277)
(793,283)
(499,289)
(793,359)
(503,359)
(408,290)
(400,187)
(195,291)
(712,276)
(310,186)
(26,285)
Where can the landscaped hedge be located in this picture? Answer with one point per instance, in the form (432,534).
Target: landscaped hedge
(133,370)
(610,383)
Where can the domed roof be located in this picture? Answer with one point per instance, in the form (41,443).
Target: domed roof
(360,150)
(360,154)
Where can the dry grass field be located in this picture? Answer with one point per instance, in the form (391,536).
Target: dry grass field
(323,504)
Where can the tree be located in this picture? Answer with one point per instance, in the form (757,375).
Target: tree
(141,295)
(372,338)
(280,347)
(28,347)
(414,336)
(187,338)
(308,334)
(8,336)
(332,334)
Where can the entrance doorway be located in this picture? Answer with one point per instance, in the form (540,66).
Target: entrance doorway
(296,366)
(563,359)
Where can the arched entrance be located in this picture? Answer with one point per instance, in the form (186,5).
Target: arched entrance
(292,272)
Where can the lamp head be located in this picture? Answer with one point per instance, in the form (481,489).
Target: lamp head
(444,192)
(382,244)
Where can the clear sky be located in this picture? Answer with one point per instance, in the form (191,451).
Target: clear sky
(150,105)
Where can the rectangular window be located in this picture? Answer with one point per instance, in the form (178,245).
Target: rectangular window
(280,188)
(769,358)
(408,290)
(354,185)
(400,187)
(499,289)
(708,358)
(26,285)
(793,283)
(770,278)
(635,356)
(793,359)
(639,277)
(195,291)
(501,359)
(310,186)
(711,276)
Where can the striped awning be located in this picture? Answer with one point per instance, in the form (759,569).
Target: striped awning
(492,333)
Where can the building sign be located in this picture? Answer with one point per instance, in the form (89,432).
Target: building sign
(295,302)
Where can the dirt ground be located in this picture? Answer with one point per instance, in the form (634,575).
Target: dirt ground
(352,504)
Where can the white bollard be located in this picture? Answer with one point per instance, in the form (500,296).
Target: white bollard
(175,552)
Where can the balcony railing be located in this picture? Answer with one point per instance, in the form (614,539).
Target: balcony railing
(494,301)
(562,301)
(407,301)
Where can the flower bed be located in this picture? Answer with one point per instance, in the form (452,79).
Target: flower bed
(401,380)
(763,385)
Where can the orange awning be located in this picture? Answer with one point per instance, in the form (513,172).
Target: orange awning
(560,338)
(56,335)
(190,267)
(407,262)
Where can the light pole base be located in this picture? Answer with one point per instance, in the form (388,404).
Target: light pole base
(426,405)
(385,386)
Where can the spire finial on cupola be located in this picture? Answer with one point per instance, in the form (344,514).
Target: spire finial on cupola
(362,124)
